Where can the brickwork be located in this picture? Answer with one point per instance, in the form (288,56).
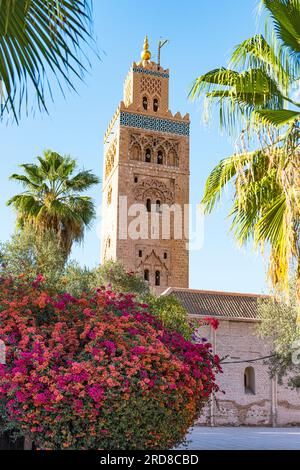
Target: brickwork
(146,158)
(269,404)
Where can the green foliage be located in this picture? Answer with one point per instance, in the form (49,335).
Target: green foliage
(286,18)
(99,371)
(40,41)
(28,255)
(112,273)
(52,199)
(252,95)
(279,325)
(171,313)
(76,279)
(167,309)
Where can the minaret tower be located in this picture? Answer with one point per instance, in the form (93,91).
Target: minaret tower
(146,167)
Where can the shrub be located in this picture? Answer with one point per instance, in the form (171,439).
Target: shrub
(114,274)
(280,327)
(77,279)
(97,372)
(28,254)
(171,313)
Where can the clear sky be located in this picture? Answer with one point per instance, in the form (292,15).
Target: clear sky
(202,35)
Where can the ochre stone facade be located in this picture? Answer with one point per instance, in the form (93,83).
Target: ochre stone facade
(146,162)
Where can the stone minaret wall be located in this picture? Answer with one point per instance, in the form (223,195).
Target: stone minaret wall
(135,130)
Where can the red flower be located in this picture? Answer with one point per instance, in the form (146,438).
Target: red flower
(96,362)
(96,393)
(214,323)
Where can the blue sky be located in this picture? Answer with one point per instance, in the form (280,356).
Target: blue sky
(202,35)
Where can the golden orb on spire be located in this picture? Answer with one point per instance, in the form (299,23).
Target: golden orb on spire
(146,54)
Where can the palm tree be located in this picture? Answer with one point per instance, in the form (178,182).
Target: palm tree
(254,95)
(39,39)
(52,199)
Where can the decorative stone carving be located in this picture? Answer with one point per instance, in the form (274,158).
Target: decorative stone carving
(154,189)
(152,263)
(151,85)
(140,142)
(152,257)
(110,158)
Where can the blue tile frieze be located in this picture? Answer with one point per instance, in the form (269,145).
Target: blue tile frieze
(154,124)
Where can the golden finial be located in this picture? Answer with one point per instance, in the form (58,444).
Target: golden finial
(146,54)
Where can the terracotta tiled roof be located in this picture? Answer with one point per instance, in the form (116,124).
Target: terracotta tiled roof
(217,304)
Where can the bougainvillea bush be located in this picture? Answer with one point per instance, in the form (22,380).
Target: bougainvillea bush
(96,372)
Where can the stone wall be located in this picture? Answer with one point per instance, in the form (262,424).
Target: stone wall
(270,405)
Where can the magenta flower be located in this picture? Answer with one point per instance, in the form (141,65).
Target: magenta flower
(139,350)
(110,345)
(96,392)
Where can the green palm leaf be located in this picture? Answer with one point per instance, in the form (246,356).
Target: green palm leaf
(40,39)
(52,199)
(271,225)
(256,53)
(227,170)
(277,118)
(237,94)
(286,20)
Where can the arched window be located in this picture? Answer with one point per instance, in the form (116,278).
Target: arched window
(249,380)
(157,278)
(155,105)
(148,156)
(160,158)
(146,275)
(145,103)
(158,204)
(148,205)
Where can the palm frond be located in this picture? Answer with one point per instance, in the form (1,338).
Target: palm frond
(254,191)
(277,117)
(40,39)
(284,34)
(286,20)
(33,172)
(82,181)
(257,53)
(224,173)
(237,94)
(52,199)
(270,226)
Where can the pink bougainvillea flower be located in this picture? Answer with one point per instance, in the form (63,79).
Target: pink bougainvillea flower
(94,372)
(213,322)
(96,392)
